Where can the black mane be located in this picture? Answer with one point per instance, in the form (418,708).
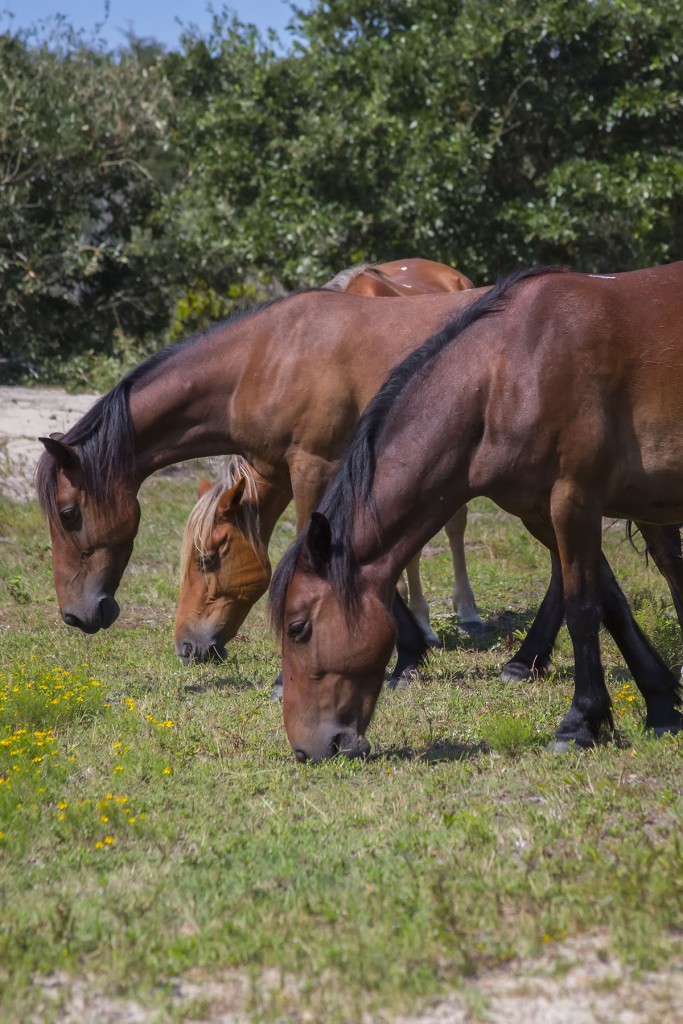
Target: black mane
(351,488)
(104,436)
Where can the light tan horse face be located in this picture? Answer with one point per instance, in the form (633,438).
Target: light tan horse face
(221,584)
(90,546)
(332,670)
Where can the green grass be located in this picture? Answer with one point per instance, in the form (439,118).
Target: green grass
(160,828)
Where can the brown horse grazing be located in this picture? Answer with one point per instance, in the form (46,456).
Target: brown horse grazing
(558,396)
(282,385)
(225,566)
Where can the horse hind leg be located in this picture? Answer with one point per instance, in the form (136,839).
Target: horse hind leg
(464,604)
(664,544)
(659,687)
(417,602)
(577,522)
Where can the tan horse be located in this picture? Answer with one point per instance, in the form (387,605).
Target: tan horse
(224,563)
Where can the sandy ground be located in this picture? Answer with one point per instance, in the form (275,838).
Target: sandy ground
(26,413)
(573,984)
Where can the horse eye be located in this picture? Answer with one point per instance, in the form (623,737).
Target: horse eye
(69,516)
(208,563)
(299,632)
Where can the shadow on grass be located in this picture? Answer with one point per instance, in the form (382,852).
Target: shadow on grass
(223,683)
(498,627)
(438,750)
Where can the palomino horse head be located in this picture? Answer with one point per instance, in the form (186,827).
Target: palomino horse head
(336,644)
(92,537)
(224,565)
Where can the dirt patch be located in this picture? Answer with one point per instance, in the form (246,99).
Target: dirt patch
(25,414)
(577,983)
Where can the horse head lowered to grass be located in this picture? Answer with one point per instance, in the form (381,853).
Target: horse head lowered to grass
(558,396)
(225,565)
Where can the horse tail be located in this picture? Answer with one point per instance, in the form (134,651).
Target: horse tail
(343,280)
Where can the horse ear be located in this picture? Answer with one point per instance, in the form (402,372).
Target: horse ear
(204,486)
(230,499)
(319,542)
(64,455)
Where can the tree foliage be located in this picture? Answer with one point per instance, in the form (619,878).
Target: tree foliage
(141,189)
(80,179)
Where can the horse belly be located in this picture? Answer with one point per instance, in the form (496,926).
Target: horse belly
(650,488)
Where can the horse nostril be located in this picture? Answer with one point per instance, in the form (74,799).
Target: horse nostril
(301,755)
(186,651)
(109,611)
(337,745)
(72,620)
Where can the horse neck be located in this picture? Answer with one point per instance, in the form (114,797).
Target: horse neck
(419,484)
(184,410)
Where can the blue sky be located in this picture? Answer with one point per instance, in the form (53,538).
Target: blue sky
(156,18)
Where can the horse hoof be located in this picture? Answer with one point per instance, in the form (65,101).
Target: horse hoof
(433,642)
(405,679)
(561,746)
(663,730)
(276,692)
(431,639)
(515,672)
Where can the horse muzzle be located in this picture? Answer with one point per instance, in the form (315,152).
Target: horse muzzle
(345,743)
(195,652)
(104,614)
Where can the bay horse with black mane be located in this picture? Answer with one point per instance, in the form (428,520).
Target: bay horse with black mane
(224,563)
(282,385)
(556,394)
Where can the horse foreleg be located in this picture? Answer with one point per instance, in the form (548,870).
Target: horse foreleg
(310,476)
(577,522)
(464,604)
(534,655)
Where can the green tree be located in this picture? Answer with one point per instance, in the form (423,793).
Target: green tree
(143,193)
(484,134)
(81,168)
